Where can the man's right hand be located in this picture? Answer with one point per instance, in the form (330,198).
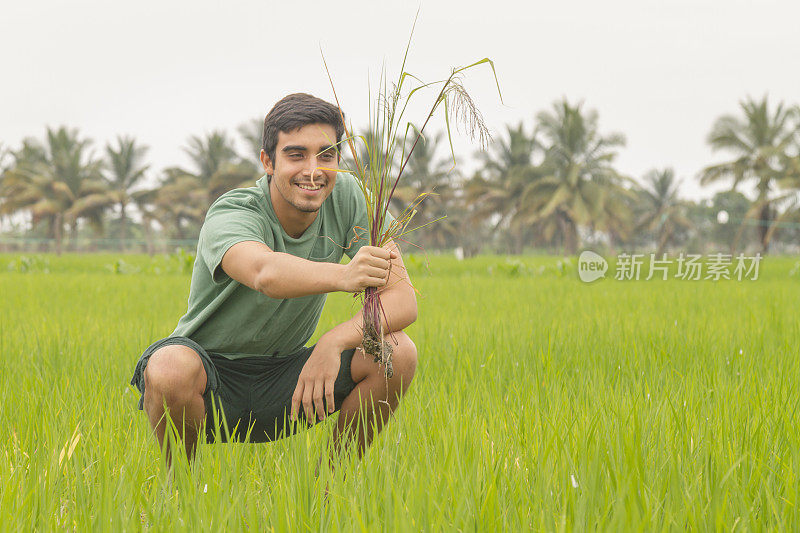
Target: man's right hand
(368,268)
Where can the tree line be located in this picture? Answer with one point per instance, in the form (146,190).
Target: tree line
(552,189)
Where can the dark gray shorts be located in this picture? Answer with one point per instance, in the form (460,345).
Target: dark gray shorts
(249,399)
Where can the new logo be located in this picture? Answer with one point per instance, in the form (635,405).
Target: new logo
(591,266)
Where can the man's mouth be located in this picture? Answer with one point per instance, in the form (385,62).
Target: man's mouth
(309,187)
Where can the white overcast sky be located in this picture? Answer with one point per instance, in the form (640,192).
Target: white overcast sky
(658,71)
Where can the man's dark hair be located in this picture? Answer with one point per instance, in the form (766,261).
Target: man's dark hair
(295,111)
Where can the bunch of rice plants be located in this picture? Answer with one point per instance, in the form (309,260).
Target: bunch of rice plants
(380,173)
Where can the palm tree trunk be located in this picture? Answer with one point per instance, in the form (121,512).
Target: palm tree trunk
(612,242)
(520,242)
(123,223)
(58,231)
(737,237)
(662,243)
(570,237)
(763,227)
(73,235)
(148,236)
(562,230)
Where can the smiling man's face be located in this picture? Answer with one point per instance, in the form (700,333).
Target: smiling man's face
(300,172)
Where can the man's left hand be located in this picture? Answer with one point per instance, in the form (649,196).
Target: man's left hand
(316,382)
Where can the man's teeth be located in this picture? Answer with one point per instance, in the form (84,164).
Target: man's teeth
(309,187)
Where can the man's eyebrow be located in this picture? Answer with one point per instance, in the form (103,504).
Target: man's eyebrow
(294,148)
(300,148)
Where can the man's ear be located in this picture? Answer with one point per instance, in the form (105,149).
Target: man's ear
(266,162)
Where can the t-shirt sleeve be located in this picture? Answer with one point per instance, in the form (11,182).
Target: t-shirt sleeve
(358,234)
(229,221)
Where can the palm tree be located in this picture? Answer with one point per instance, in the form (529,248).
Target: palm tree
(184,196)
(125,163)
(790,182)
(579,186)
(496,192)
(210,154)
(428,188)
(70,162)
(6,158)
(58,181)
(218,168)
(759,141)
(659,210)
(180,202)
(25,189)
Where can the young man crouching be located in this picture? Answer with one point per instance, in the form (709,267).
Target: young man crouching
(266,258)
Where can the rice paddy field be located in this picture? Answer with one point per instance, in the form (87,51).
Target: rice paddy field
(540,403)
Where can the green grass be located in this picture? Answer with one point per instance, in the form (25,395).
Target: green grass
(540,402)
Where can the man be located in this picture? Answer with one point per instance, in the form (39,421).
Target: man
(266,257)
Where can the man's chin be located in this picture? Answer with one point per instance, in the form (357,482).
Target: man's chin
(308,208)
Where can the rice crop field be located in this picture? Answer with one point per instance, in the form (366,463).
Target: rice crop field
(540,403)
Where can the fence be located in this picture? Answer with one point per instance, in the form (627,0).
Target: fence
(84,245)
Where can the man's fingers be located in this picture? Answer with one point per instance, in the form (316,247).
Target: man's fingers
(376,282)
(378,262)
(308,408)
(375,272)
(319,385)
(382,253)
(296,397)
(375,251)
(329,401)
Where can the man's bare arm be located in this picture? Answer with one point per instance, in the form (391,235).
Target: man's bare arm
(399,301)
(318,377)
(281,275)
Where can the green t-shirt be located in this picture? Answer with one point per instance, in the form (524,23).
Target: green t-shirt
(231,319)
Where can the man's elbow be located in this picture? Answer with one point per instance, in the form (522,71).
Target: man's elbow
(412,317)
(266,282)
(403,313)
(411,310)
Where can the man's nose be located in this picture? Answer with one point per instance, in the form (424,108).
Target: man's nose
(313,167)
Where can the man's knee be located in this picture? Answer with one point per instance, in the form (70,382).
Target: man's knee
(174,374)
(404,359)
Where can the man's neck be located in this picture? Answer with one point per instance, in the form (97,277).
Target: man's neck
(293,221)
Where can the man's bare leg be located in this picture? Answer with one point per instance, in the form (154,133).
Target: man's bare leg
(367,408)
(175,377)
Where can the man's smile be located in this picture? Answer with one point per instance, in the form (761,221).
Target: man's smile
(308,188)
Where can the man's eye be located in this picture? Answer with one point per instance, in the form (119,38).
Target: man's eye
(295,156)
